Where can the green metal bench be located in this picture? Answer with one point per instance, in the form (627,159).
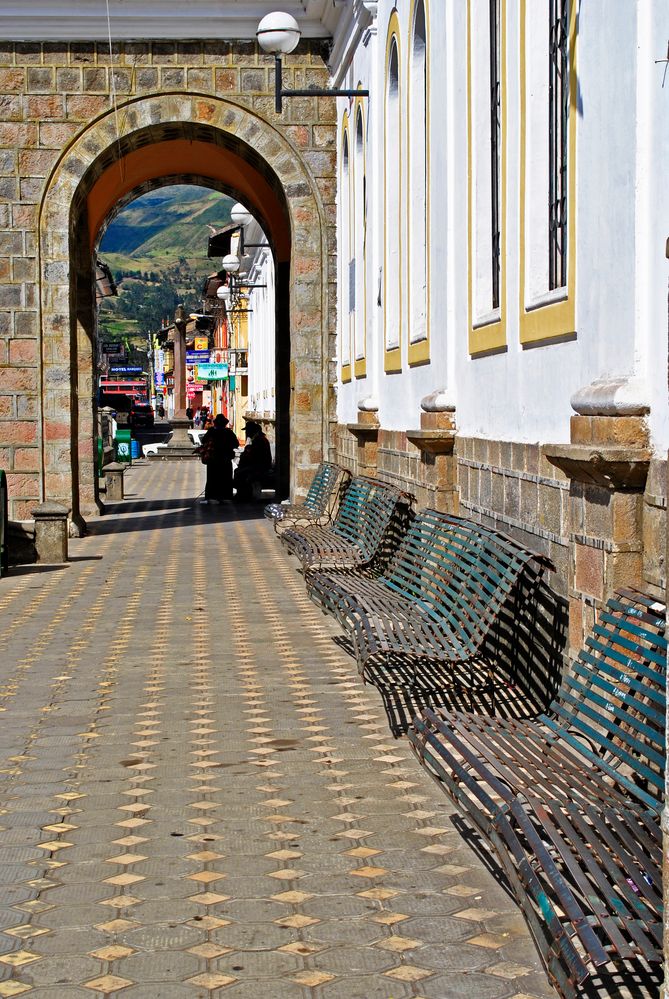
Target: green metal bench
(424,622)
(571,801)
(371,517)
(4,520)
(326,487)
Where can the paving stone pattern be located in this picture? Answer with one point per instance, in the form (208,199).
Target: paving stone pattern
(199,796)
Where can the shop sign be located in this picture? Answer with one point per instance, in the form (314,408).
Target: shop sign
(201,343)
(197,356)
(212,372)
(113,347)
(160,379)
(121,369)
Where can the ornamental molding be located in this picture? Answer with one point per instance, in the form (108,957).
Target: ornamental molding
(612,396)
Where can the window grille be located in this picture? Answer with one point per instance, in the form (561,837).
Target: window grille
(558,120)
(495,146)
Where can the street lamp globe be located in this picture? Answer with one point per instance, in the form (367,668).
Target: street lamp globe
(231,263)
(278,33)
(224,294)
(240,215)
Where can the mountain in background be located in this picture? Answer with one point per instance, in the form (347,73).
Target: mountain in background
(156,249)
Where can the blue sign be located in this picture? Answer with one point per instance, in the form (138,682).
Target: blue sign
(160,379)
(121,369)
(197,356)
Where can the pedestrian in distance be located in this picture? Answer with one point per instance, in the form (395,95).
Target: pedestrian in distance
(189,415)
(216,452)
(255,461)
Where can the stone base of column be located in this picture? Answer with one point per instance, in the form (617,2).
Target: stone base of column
(179,447)
(51,532)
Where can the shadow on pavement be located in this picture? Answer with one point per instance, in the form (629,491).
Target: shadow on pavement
(157,517)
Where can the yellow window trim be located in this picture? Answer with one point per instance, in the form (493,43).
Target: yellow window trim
(345,322)
(392,357)
(491,336)
(556,319)
(392,360)
(360,363)
(419,351)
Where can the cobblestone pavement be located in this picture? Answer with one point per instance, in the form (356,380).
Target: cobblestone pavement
(199,796)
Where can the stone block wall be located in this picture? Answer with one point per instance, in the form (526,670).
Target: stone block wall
(597,536)
(50,95)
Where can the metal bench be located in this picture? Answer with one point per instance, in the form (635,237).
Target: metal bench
(326,487)
(434,606)
(371,518)
(571,801)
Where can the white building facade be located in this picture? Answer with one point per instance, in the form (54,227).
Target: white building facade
(503,213)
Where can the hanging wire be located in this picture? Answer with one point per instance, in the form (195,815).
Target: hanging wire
(112,92)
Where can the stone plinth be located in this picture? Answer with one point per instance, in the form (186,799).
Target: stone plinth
(607,463)
(51,532)
(113,473)
(179,447)
(366,432)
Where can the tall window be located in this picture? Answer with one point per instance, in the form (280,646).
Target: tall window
(495,148)
(393,233)
(346,304)
(418,185)
(558,121)
(486,110)
(360,230)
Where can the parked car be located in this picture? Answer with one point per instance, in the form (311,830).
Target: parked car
(141,415)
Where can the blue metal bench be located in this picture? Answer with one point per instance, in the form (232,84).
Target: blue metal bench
(319,504)
(571,801)
(371,518)
(431,611)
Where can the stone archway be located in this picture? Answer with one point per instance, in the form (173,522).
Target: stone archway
(99,169)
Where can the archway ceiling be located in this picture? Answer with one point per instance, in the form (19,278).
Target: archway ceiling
(159,157)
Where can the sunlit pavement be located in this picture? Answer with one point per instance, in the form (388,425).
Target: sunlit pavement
(201,798)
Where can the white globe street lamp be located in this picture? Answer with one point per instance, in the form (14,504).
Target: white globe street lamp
(231,263)
(278,34)
(240,215)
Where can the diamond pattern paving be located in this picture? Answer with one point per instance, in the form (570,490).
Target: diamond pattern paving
(200,798)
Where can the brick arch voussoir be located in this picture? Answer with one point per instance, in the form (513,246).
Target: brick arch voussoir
(189,114)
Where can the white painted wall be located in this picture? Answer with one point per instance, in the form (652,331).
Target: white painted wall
(622,223)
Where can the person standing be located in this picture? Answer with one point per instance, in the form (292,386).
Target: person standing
(217,451)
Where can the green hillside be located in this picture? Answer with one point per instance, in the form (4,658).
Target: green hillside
(156,249)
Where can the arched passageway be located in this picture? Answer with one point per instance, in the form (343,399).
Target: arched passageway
(170,140)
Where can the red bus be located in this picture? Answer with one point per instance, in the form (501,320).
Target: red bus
(136,388)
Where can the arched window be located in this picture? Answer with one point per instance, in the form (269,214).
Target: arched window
(360,237)
(418,189)
(393,213)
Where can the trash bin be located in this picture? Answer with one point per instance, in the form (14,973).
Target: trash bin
(100,455)
(123,444)
(135,451)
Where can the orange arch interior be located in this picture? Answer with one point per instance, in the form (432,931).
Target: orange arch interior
(181,156)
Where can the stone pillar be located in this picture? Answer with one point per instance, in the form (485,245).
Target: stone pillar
(51,532)
(436,440)
(366,431)
(607,462)
(113,473)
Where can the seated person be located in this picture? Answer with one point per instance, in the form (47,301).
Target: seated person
(254,462)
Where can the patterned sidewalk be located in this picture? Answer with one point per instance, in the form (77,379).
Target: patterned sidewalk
(199,796)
